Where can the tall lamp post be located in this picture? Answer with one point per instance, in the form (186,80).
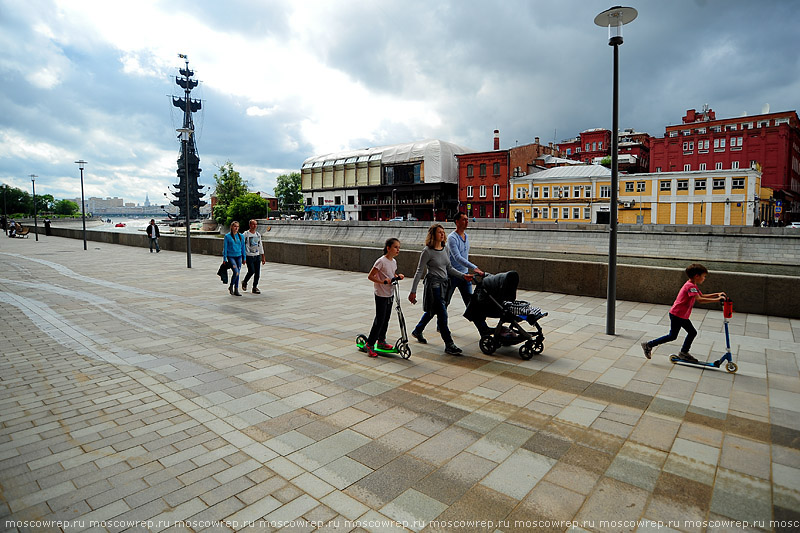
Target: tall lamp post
(394,209)
(5,211)
(185,136)
(35,223)
(614,18)
(81,165)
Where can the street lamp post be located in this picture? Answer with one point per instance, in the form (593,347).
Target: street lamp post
(185,136)
(614,18)
(81,165)
(394,208)
(35,223)
(5,211)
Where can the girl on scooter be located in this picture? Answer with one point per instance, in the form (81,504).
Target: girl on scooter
(681,310)
(381,275)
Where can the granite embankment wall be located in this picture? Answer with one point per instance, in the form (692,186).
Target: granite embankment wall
(753,293)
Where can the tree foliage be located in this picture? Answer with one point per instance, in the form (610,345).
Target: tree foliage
(65,207)
(246,207)
(229,186)
(288,192)
(18,201)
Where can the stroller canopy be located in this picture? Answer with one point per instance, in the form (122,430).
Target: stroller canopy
(501,287)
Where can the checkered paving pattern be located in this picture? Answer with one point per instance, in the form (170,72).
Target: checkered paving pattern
(137,394)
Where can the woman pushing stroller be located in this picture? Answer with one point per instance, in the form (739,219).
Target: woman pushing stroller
(436,260)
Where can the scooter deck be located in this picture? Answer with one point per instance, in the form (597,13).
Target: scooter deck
(730,366)
(361,346)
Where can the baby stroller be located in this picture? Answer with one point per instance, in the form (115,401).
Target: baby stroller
(496,296)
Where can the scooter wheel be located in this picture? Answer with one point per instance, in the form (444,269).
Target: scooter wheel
(487,344)
(731,367)
(403,349)
(361,342)
(674,358)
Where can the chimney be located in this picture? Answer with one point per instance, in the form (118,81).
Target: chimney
(496,139)
(536,140)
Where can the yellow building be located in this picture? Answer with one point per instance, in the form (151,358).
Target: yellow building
(582,193)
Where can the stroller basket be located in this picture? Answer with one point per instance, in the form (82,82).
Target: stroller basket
(524,309)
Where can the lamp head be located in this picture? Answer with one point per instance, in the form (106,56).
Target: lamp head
(614,18)
(81,164)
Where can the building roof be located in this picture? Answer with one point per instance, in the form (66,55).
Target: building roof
(553,160)
(439,157)
(573,171)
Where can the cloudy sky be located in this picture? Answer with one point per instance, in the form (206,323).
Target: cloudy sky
(283,80)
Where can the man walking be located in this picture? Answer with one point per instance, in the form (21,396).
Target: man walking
(458,247)
(255,256)
(153,234)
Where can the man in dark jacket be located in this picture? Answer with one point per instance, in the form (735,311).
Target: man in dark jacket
(153,234)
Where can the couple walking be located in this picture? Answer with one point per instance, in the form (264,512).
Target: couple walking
(245,247)
(446,260)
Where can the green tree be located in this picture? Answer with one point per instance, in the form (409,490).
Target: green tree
(229,185)
(606,161)
(18,201)
(243,208)
(288,192)
(65,207)
(45,202)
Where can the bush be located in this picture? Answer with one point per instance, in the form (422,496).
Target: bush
(243,208)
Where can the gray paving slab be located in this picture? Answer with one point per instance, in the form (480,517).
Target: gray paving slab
(138,394)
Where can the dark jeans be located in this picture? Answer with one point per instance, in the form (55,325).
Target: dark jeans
(253,270)
(383,310)
(154,242)
(236,267)
(463,286)
(675,325)
(440,311)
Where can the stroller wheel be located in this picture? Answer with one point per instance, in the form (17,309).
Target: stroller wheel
(488,345)
(530,348)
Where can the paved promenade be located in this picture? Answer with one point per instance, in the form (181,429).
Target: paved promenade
(138,394)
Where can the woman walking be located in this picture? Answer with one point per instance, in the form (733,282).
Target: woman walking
(233,251)
(436,260)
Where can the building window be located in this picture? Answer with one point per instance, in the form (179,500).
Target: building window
(496,190)
(536,192)
(587,213)
(309,201)
(673,134)
(569,151)
(737,183)
(564,192)
(545,193)
(545,213)
(594,147)
(337,200)
(483,169)
(701,131)
(565,212)
(320,200)
(576,192)
(587,146)
(470,191)
(641,186)
(496,169)
(719,184)
(576,212)
(683,185)
(699,185)
(718,166)
(687,167)
(753,163)
(483,191)
(702,145)
(735,165)
(600,145)
(686,132)
(605,191)
(522,193)
(730,127)
(702,166)
(470,171)
(628,186)
(658,169)
(535,212)
(665,185)
(587,192)
(736,142)
(351,200)
(763,123)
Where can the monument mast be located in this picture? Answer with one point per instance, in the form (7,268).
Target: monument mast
(189,151)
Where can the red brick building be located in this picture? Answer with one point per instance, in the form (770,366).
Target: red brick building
(483,182)
(595,144)
(770,141)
